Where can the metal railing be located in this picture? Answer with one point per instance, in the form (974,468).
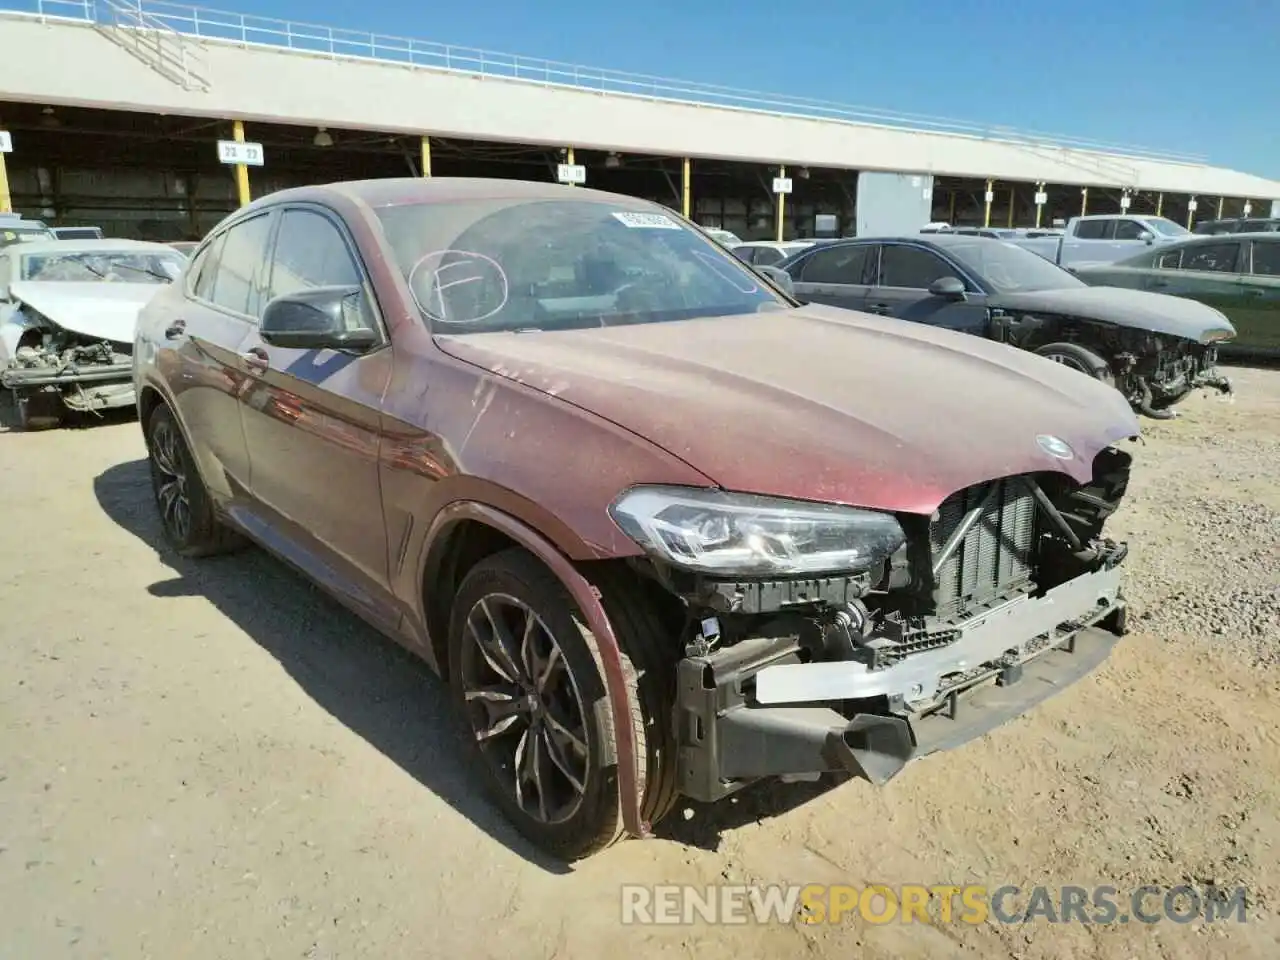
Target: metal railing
(170,53)
(316,39)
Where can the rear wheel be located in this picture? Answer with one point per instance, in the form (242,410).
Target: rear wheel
(186,510)
(1078,358)
(528,676)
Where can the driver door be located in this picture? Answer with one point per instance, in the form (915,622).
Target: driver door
(902,290)
(311,423)
(837,275)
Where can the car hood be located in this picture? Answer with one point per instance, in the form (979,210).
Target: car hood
(819,403)
(104,311)
(1139,309)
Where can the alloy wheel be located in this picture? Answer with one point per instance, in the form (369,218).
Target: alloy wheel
(171,481)
(525,709)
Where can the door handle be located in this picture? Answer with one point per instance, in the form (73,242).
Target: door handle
(879,307)
(256,360)
(175,330)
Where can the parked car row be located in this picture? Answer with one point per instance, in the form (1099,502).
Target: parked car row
(668,518)
(1154,349)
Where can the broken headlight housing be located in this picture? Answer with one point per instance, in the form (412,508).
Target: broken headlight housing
(736,535)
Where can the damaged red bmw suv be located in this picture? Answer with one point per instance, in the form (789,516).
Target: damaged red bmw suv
(664,530)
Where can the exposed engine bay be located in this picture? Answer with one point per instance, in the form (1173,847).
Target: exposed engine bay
(1153,370)
(56,369)
(1006,594)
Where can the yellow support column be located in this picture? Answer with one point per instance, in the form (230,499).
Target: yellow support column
(1039,205)
(990,195)
(951,208)
(242,171)
(568,158)
(1013,196)
(782,202)
(1084,201)
(686,188)
(1221,200)
(426,156)
(6,201)
(1159,204)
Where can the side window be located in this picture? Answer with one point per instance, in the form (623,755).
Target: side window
(6,265)
(1211,257)
(238,279)
(1266,259)
(1169,260)
(902,266)
(843,264)
(767,256)
(1131,229)
(200,272)
(745,254)
(311,252)
(1095,229)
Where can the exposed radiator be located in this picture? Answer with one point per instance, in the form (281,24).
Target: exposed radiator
(995,557)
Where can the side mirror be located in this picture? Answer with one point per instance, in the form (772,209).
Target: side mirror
(780,278)
(949,288)
(315,319)
(1147,237)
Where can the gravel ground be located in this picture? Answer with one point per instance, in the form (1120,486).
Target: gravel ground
(213,760)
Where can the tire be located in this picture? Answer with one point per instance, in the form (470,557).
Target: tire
(186,511)
(516,724)
(1164,403)
(39,411)
(1079,358)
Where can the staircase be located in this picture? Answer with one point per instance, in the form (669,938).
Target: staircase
(175,56)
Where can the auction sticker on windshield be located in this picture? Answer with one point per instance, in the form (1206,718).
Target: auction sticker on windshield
(651,221)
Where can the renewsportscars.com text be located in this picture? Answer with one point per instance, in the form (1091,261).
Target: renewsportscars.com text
(937,903)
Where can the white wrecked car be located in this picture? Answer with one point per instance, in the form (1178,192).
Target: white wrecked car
(67,314)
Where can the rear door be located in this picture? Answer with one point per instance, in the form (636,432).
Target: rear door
(1092,241)
(204,342)
(838,275)
(902,290)
(1257,321)
(1209,271)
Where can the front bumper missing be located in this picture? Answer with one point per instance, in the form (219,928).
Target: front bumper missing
(1003,664)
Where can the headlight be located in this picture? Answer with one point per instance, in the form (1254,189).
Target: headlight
(729,534)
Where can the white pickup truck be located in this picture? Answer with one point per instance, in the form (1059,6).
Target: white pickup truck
(1103,238)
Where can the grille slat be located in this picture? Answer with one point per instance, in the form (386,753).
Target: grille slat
(995,558)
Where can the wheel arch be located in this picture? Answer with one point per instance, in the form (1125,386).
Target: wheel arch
(466,531)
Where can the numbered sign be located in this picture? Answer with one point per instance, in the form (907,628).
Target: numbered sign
(1124,203)
(6,142)
(989,196)
(1191,205)
(1041,198)
(574,173)
(781,184)
(232,151)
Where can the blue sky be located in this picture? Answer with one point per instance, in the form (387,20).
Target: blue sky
(1189,76)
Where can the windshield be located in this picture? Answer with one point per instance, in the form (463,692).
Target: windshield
(1007,268)
(476,267)
(111,266)
(1165,226)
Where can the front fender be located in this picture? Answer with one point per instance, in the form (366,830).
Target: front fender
(587,598)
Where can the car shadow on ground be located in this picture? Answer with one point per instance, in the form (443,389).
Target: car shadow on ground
(378,690)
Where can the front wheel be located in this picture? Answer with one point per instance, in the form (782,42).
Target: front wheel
(1078,358)
(528,676)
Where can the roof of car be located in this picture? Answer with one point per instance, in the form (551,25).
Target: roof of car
(91,246)
(395,191)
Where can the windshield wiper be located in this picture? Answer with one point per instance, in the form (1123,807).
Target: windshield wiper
(148,272)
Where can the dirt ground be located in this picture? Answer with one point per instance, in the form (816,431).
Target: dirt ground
(213,760)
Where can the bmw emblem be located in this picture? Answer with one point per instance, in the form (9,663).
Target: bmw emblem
(1055,447)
